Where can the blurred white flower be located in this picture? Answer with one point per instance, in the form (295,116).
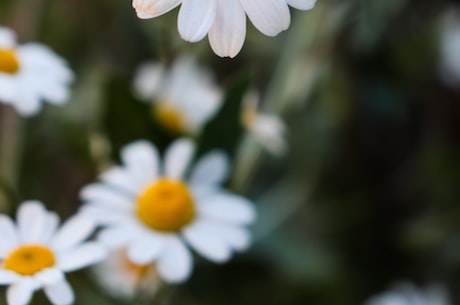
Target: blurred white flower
(149,209)
(185,97)
(224,20)
(450,47)
(267,129)
(35,254)
(123,278)
(31,73)
(407,294)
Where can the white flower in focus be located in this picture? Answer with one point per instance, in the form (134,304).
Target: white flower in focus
(123,278)
(224,21)
(185,97)
(31,73)
(450,47)
(408,294)
(152,211)
(35,253)
(267,129)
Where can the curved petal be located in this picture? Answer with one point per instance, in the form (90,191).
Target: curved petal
(302,4)
(269,16)
(152,8)
(52,222)
(227,208)
(103,195)
(49,276)
(74,231)
(237,237)
(8,235)
(82,256)
(21,292)
(228,32)
(146,249)
(122,179)
(8,277)
(60,293)
(175,263)
(195,18)
(177,158)
(202,237)
(116,237)
(212,169)
(31,219)
(142,159)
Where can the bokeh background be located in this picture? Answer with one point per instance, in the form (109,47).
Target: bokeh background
(368,193)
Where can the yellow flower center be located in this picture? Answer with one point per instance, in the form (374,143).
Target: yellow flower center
(249,114)
(169,117)
(9,62)
(166,205)
(29,259)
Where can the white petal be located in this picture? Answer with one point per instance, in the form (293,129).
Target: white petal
(153,8)
(60,293)
(302,4)
(49,276)
(237,237)
(121,178)
(145,249)
(175,263)
(148,82)
(31,218)
(202,237)
(8,235)
(116,237)
(142,160)
(52,222)
(195,18)
(227,208)
(74,231)
(8,277)
(212,169)
(103,216)
(103,195)
(7,38)
(21,292)
(268,16)
(228,32)
(177,158)
(82,256)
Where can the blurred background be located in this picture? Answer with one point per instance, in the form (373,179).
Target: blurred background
(367,193)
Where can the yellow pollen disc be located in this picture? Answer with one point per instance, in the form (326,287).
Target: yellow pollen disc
(29,259)
(166,205)
(9,62)
(169,117)
(249,114)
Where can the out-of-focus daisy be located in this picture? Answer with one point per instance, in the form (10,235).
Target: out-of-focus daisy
(267,129)
(224,20)
(123,278)
(30,74)
(450,47)
(407,294)
(35,253)
(150,209)
(184,96)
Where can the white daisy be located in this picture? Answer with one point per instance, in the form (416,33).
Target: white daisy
(224,20)
(35,254)
(152,211)
(267,129)
(407,294)
(184,96)
(123,278)
(31,73)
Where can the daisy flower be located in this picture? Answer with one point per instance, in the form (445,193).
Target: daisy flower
(123,278)
(407,294)
(267,129)
(224,20)
(156,214)
(185,97)
(31,73)
(35,254)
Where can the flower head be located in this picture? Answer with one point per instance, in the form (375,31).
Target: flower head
(267,129)
(31,73)
(35,253)
(155,213)
(407,294)
(185,96)
(224,21)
